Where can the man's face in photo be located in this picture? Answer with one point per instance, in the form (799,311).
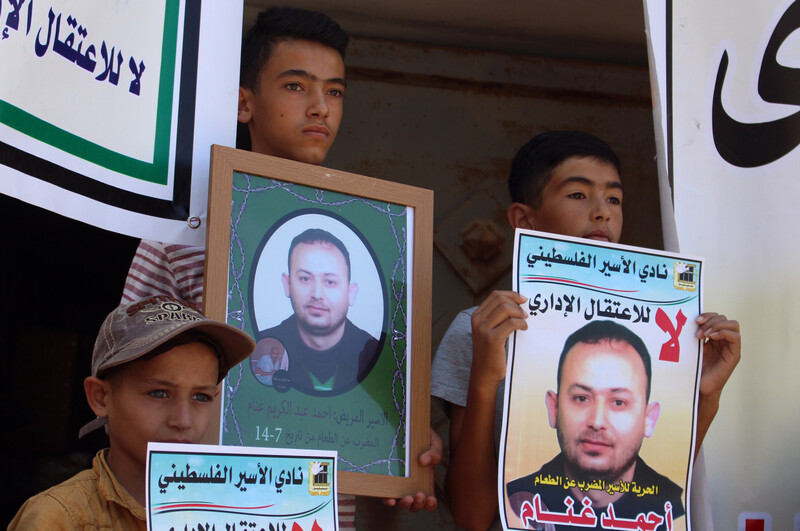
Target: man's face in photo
(601,412)
(275,354)
(319,286)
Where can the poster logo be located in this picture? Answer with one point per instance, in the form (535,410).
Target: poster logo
(685,276)
(319,481)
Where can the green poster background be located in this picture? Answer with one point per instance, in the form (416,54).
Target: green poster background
(367,424)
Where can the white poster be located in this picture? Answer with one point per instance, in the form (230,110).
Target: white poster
(726,78)
(108,109)
(598,423)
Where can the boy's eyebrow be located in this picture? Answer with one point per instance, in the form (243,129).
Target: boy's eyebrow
(166,383)
(588,182)
(297,72)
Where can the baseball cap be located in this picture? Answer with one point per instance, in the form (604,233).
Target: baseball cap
(136,329)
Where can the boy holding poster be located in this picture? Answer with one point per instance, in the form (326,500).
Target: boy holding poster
(156,367)
(563,182)
(291,98)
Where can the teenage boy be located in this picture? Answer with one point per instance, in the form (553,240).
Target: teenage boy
(156,367)
(291,95)
(291,98)
(564,182)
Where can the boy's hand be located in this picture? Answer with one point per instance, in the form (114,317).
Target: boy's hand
(494,320)
(430,458)
(721,352)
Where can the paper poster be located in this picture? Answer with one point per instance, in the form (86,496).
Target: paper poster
(239,488)
(600,401)
(98,109)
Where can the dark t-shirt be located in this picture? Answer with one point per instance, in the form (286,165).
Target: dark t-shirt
(627,506)
(331,371)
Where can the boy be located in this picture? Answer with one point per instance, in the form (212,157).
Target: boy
(565,182)
(156,367)
(291,96)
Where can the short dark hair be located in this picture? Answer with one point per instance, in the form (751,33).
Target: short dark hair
(598,331)
(316,236)
(534,163)
(277,24)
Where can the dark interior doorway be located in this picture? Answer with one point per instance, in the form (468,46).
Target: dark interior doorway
(60,279)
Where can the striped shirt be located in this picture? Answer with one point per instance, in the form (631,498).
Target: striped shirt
(159,268)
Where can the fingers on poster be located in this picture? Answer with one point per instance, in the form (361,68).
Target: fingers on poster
(598,420)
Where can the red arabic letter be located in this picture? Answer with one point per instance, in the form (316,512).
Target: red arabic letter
(670,350)
(526,513)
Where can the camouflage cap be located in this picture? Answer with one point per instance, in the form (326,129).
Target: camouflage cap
(136,329)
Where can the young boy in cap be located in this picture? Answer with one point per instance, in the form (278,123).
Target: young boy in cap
(564,182)
(156,367)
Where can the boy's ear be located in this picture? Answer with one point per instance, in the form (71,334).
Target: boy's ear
(521,216)
(245,105)
(98,393)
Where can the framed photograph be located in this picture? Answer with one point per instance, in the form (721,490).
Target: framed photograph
(330,273)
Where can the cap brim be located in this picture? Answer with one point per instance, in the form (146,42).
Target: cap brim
(234,345)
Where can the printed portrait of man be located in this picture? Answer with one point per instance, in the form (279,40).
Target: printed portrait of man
(328,354)
(601,411)
(268,358)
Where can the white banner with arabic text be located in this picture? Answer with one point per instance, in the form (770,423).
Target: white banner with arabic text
(727,75)
(108,109)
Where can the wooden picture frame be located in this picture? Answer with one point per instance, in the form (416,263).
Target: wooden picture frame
(257,205)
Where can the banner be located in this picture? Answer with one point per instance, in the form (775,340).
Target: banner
(727,120)
(598,427)
(108,110)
